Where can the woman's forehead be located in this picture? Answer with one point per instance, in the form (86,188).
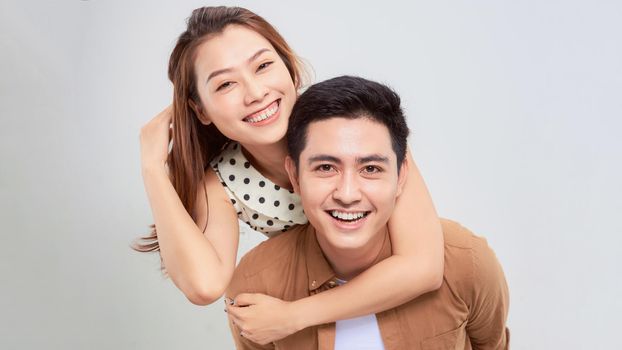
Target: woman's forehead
(231,48)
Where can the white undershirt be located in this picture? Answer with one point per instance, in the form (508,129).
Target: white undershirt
(358,333)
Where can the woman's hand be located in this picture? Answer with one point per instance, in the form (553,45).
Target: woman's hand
(263,319)
(155,137)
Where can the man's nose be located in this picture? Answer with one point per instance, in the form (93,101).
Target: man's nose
(348,190)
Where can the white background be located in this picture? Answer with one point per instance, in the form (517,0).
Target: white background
(515,110)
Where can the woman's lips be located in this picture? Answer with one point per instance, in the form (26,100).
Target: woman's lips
(264,116)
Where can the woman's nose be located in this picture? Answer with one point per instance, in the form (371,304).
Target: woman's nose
(255,91)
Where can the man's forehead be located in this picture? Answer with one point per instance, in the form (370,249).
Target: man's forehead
(347,137)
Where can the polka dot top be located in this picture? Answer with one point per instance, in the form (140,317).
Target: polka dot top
(261,204)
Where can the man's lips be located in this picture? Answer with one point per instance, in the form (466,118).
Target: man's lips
(348,215)
(348,221)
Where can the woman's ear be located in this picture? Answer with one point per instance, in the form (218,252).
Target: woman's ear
(199,112)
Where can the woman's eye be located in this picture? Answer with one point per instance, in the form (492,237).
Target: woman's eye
(224,85)
(263,65)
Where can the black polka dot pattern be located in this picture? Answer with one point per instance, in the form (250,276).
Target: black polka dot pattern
(261,204)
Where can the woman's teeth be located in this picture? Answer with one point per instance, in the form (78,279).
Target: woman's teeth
(263,115)
(347,216)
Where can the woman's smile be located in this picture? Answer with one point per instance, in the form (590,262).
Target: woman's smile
(264,116)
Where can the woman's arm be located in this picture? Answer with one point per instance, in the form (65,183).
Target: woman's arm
(416,267)
(200,264)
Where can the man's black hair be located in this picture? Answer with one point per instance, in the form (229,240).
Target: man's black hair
(347,97)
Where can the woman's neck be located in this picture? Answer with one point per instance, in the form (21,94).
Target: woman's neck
(269,160)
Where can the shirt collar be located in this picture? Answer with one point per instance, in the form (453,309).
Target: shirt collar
(318,268)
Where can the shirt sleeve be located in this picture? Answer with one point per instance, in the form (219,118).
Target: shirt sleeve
(486,326)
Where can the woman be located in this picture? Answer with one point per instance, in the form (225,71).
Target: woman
(235,82)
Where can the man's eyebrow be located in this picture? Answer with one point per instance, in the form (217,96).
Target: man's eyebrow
(323,158)
(227,70)
(373,158)
(359,160)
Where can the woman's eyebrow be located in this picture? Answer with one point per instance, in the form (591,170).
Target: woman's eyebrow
(227,70)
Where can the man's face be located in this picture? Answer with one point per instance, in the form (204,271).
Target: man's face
(348,181)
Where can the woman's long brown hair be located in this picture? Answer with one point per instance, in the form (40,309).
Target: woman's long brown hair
(195,144)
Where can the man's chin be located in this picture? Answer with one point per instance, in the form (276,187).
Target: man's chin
(346,242)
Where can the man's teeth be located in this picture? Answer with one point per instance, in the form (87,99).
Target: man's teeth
(347,216)
(263,115)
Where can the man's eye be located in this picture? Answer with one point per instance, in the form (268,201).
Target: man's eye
(264,65)
(224,85)
(325,167)
(372,169)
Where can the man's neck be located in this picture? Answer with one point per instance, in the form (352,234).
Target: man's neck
(269,160)
(348,263)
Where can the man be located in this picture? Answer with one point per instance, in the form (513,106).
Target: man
(347,144)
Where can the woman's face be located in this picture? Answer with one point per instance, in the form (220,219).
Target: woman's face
(244,86)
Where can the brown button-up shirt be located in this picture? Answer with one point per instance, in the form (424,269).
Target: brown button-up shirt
(468,311)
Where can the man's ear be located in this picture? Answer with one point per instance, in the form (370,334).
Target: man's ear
(199,112)
(401,179)
(292,172)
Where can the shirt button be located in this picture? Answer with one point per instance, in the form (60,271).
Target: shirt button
(313,284)
(331,284)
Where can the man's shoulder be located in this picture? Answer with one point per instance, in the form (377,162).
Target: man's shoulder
(470,263)
(265,263)
(458,237)
(272,250)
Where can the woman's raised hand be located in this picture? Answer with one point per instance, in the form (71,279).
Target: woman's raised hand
(155,137)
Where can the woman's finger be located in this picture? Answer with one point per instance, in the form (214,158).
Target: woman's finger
(246,299)
(236,312)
